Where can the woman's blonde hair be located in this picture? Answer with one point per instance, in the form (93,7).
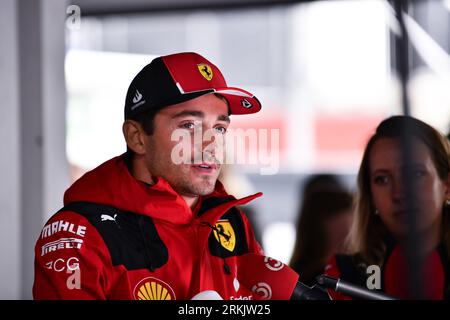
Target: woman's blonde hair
(367,239)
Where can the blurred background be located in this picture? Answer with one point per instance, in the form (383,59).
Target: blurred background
(324,71)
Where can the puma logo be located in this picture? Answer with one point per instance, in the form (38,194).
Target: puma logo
(106,217)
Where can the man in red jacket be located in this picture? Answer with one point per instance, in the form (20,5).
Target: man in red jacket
(155,223)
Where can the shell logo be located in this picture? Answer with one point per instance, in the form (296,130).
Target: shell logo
(153,289)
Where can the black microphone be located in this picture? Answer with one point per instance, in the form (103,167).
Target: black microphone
(304,292)
(270,279)
(350,289)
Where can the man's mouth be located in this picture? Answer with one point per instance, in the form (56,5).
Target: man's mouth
(205,167)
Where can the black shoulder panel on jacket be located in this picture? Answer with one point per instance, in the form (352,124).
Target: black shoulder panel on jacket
(131,238)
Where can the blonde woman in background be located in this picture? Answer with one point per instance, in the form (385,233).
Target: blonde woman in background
(380,225)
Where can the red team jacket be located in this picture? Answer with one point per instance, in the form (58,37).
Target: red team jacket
(118,238)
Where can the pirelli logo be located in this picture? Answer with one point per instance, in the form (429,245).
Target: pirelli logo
(63,243)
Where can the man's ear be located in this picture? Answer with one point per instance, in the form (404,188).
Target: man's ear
(134,136)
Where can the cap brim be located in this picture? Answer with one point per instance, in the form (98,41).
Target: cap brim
(240,101)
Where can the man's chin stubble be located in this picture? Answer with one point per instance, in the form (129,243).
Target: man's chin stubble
(200,190)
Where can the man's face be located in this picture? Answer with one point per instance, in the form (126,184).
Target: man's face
(205,114)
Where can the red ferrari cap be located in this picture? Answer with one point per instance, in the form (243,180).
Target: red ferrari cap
(180,77)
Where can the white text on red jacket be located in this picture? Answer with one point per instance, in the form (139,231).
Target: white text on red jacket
(65,226)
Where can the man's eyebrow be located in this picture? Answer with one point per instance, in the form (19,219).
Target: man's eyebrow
(224,118)
(185,113)
(198,114)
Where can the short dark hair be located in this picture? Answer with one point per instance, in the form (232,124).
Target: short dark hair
(147,120)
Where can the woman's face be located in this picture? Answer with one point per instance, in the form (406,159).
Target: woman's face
(388,193)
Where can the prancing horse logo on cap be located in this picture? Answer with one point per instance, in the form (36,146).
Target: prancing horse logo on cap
(205,71)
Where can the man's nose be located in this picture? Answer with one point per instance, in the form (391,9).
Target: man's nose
(210,135)
(213,144)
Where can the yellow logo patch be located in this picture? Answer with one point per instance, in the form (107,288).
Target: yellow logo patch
(205,71)
(225,235)
(153,289)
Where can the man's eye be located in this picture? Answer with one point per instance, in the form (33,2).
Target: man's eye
(380,180)
(221,130)
(188,125)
